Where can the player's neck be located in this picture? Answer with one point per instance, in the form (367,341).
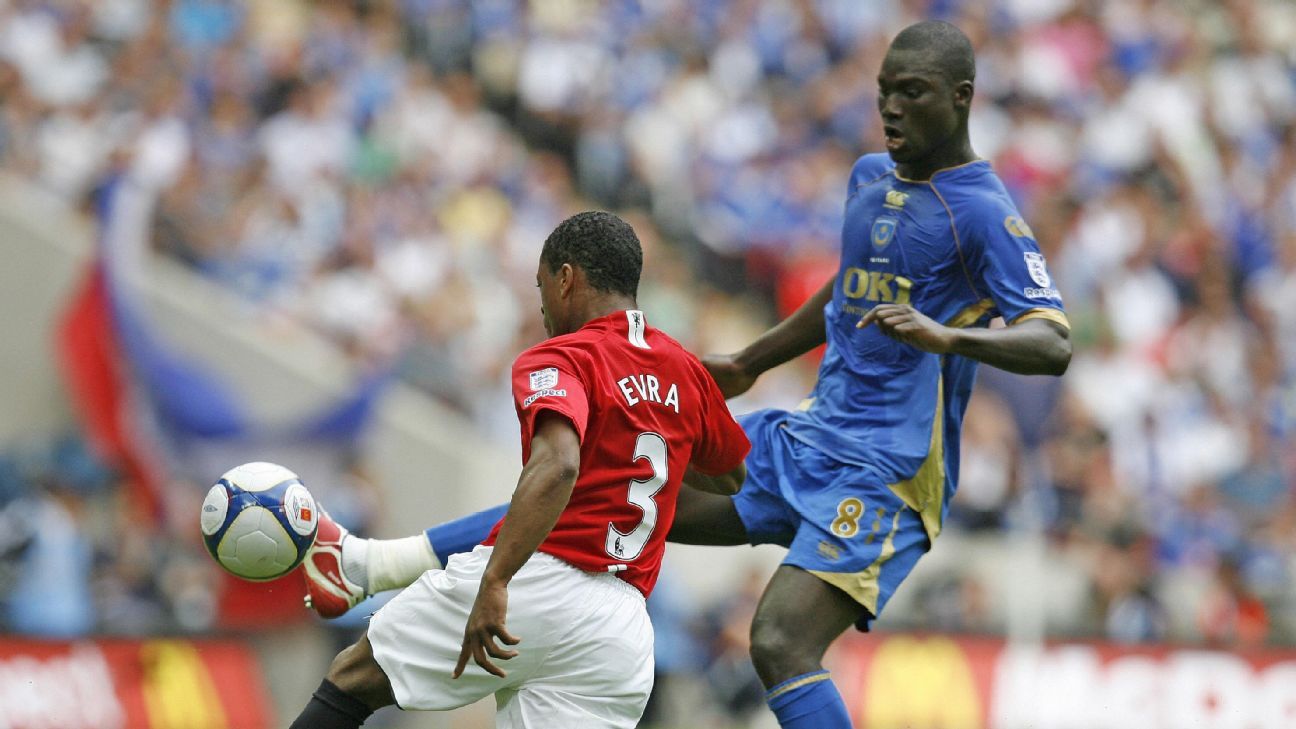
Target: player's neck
(959,152)
(599,305)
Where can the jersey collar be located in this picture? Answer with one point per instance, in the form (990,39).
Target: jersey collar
(975,164)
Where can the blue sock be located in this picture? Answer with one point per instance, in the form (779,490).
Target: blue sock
(808,701)
(462,534)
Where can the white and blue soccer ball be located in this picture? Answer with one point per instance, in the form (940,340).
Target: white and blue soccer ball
(258,521)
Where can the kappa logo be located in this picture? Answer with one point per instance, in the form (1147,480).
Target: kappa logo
(544,379)
(883,231)
(1018,227)
(1038,270)
(895,199)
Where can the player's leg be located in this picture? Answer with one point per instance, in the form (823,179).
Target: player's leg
(789,639)
(354,688)
(757,514)
(342,569)
(415,639)
(705,518)
(853,541)
(598,672)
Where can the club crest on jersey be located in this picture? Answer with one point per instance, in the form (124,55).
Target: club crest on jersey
(544,379)
(1038,271)
(883,231)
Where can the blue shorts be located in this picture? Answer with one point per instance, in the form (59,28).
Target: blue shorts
(839,521)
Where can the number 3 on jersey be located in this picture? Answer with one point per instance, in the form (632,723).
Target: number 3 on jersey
(626,546)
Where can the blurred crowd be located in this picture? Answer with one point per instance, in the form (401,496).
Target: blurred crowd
(385,172)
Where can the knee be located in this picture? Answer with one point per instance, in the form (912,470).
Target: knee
(355,671)
(780,651)
(348,664)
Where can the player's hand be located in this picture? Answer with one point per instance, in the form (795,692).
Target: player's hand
(485,624)
(904,323)
(732,379)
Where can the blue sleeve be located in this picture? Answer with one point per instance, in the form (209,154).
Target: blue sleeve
(1007,264)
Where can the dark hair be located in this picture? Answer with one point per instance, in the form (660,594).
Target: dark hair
(604,246)
(950,46)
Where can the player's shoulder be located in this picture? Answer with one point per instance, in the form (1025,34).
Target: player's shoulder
(569,350)
(870,168)
(974,184)
(657,337)
(680,355)
(978,198)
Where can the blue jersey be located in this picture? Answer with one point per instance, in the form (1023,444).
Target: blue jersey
(956,249)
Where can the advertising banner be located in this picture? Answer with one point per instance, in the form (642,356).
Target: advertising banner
(940,682)
(122,684)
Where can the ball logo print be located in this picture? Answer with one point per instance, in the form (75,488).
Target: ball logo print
(299,507)
(258,521)
(214,508)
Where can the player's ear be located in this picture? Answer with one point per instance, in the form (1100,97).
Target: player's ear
(566,280)
(963,91)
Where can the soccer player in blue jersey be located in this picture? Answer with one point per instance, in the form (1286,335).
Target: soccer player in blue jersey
(856,481)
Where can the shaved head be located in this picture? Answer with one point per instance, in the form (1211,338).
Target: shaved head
(949,48)
(925,89)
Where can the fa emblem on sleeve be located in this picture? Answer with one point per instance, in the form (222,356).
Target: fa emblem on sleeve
(1038,271)
(544,379)
(883,231)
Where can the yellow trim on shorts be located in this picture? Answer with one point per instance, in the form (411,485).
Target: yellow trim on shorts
(798,684)
(1057,316)
(863,586)
(925,491)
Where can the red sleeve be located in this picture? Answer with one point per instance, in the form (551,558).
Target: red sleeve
(545,380)
(723,444)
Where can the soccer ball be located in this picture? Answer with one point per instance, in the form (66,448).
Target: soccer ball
(258,521)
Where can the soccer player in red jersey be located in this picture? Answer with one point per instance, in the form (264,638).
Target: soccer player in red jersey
(613,414)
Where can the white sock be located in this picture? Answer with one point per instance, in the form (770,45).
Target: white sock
(395,563)
(355,560)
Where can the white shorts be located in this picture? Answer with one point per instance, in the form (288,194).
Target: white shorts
(585,660)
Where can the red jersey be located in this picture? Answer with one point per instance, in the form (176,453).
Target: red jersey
(644,409)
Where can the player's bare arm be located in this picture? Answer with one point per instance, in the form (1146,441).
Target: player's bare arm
(726,484)
(1031,347)
(543,489)
(790,338)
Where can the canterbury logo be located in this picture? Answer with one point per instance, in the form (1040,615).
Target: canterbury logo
(896,199)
